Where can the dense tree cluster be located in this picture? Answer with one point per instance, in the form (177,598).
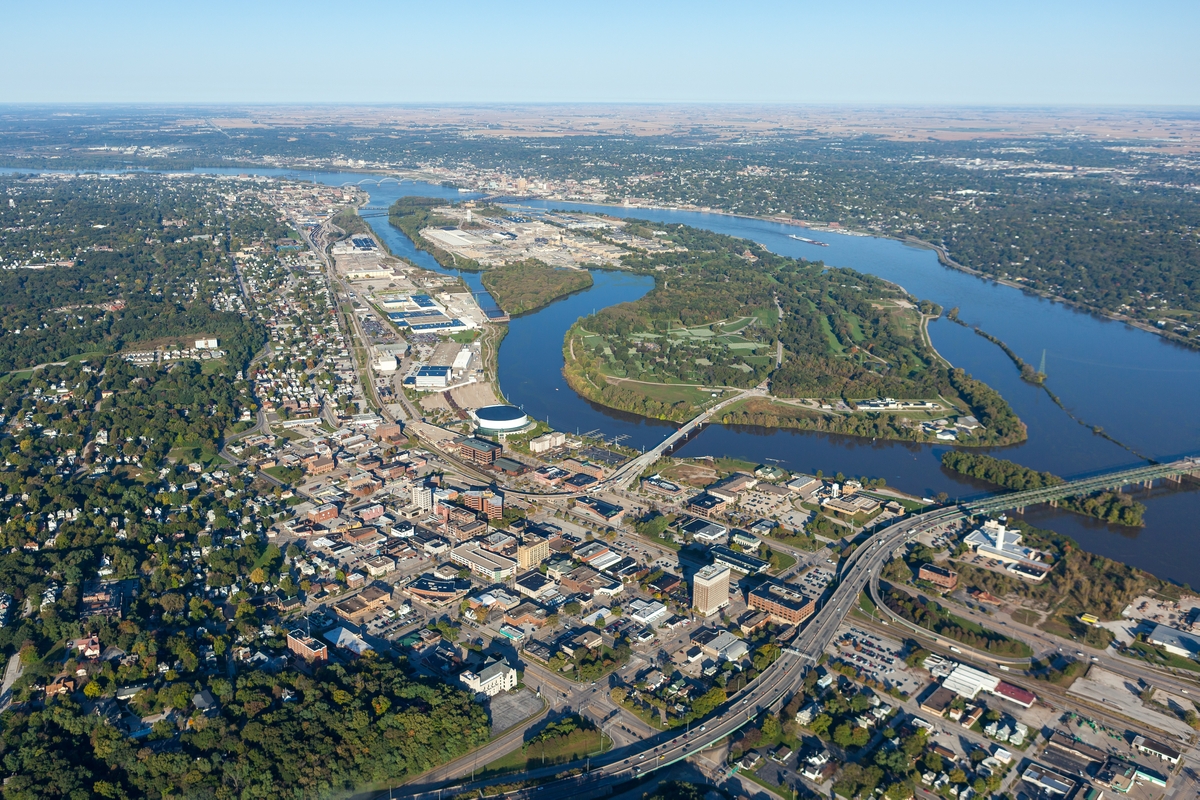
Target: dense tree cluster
(129,261)
(844,335)
(929,614)
(1111,507)
(524,286)
(276,735)
(1081,582)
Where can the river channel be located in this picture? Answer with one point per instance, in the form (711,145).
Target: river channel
(1138,387)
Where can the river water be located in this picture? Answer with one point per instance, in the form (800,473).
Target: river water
(1139,388)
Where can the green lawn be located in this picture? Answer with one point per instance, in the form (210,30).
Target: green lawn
(285,474)
(785,561)
(562,750)
(1154,655)
(188,455)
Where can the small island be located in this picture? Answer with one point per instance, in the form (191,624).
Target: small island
(525,286)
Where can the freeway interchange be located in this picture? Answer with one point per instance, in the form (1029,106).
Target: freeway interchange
(785,676)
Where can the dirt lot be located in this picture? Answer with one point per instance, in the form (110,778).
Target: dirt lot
(474,395)
(1120,694)
(444,353)
(690,474)
(434,401)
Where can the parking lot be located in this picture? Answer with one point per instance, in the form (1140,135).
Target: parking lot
(815,581)
(508,709)
(878,658)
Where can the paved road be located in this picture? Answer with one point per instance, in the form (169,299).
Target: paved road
(783,678)
(11,673)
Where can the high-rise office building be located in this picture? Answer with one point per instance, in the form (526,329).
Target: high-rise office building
(710,589)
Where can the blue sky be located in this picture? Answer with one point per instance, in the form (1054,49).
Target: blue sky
(956,53)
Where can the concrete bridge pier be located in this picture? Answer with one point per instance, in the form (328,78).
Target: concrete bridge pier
(1054,504)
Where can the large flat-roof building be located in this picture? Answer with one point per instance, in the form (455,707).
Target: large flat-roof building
(483,563)
(432,378)
(710,589)
(1175,641)
(477,451)
(738,562)
(782,601)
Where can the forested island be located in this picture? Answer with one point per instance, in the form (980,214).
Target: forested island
(525,286)
(1111,507)
(727,315)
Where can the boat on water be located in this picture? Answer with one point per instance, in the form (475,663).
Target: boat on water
(807,240)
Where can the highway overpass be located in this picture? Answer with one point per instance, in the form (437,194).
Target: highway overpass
(785,677)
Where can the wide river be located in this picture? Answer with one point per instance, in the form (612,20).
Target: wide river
(1139,388)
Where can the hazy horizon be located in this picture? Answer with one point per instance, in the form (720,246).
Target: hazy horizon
(938,54)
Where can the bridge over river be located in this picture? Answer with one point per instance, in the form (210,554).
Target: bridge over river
(776,684)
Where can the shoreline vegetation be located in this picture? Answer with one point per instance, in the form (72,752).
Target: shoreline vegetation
(1112,507)
(411,214)
(726,315)
(524,286)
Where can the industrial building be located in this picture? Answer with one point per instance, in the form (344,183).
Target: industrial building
(1175,641)
(432,377)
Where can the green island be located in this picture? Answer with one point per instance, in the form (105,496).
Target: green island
(1111,507)
(727,315)
(523,286)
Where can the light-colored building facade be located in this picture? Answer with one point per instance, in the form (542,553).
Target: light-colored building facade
(710,589)
(493,679)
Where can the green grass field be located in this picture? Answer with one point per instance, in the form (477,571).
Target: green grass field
(1024,616)
(785,562)
(188,455)
(562,750)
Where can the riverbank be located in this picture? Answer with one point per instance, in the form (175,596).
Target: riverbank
(1088,359)
(942,256)
(946,261)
